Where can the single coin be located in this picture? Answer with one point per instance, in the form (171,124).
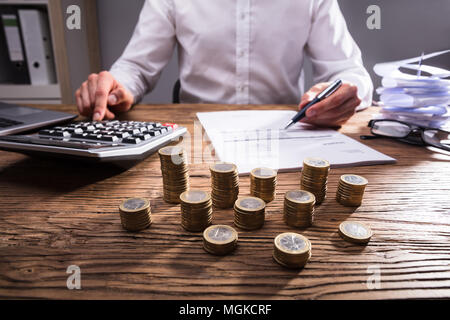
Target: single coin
(171,150)
(223,167)
(300,196)
(292,243)
(195,196)
(264,173)
(220,234)
(354,179)
(355,232)
(316,162)
(250,204)
(134,204)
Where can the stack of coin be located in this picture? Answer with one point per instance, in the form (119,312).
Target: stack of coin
(355,232)
(135,214)
(350,190)
(219,239)
(249,213)
(299,208)
(224,184)
(174,172)
(292,250)
(196,210)
(314,177)
(263,182)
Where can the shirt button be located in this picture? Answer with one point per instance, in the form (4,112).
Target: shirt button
(241,53)
(243,15)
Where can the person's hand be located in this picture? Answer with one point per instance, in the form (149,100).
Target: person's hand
(334,110)
(101,96)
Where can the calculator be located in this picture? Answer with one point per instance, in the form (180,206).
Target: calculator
(104,141)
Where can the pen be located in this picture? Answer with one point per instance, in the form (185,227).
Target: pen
(324,94)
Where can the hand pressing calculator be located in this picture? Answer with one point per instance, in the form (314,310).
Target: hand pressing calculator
(106,141)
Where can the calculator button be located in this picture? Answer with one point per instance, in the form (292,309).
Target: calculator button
(92,136)
(46,132)
(109,138)
(143,136)
(122,134)
(154,132)
(74,130)
(132,131)
(58,133)
(90,128)
(79,135)
(131,140)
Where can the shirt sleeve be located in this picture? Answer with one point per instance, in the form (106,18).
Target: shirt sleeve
(149,50)
(333,52)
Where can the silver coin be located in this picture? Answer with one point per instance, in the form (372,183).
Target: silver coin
(134,204)
(316,162)
(291,242)
(195,195)
(251,203)
(223,167)
(354,179)
(356,230)
(264,172)
(299,195)
(220,234)
(171,150)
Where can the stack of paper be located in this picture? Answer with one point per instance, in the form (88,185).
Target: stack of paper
(422,98)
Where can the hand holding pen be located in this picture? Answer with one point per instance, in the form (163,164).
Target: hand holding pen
(333,110)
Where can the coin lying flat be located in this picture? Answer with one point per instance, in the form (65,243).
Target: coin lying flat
(219,239)
(224,184)
(351,189)
(249,213)
(263,182)
(174,171)
(314,177)
(355,232)
(196,210)
(317,163)
(299,208)
(292,250)
(135,214)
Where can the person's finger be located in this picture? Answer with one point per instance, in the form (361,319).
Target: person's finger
(348,106)
(331,122)
(81,110)
(104,85)
(120,100)
(304,102)
(117,96)
(333,101)
(86,102)
(92,87)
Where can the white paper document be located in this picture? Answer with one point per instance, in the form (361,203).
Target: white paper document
(253,139)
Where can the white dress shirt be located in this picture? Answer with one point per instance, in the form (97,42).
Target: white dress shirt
(241,51)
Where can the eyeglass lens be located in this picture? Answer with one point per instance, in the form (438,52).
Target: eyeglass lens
(437,137)
(391,129)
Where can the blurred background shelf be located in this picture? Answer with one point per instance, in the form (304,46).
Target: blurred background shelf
(76,52)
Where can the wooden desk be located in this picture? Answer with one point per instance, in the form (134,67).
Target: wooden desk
(54,214)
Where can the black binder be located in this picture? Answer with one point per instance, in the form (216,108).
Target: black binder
(12,70)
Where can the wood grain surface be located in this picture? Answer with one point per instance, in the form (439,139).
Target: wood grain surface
(55,213)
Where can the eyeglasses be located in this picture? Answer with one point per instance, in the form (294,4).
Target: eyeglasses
(409,133)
